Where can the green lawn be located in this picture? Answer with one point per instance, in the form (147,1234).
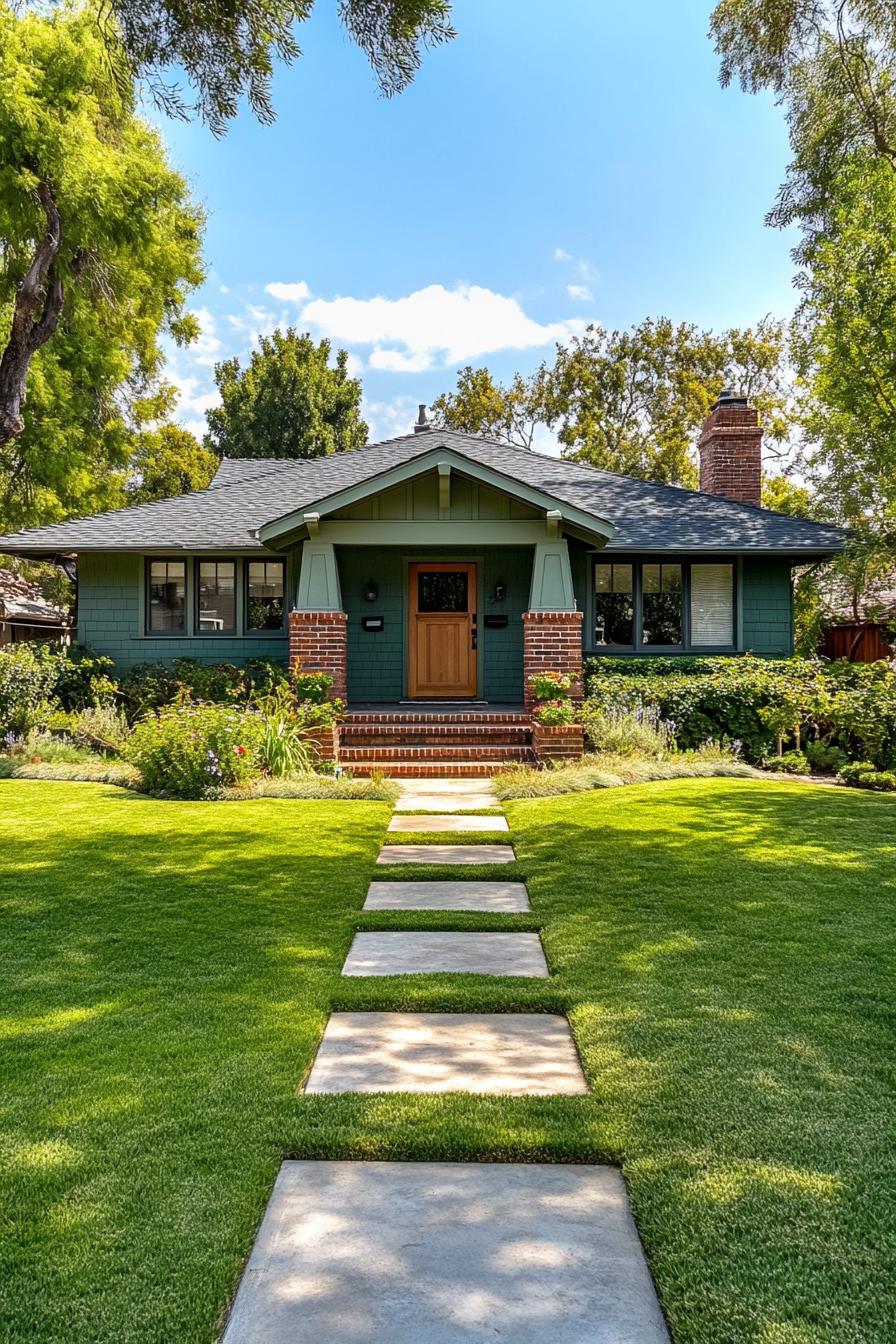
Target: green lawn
(724,950)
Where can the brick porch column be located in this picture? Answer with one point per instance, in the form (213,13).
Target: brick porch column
(552,642)
(318,642)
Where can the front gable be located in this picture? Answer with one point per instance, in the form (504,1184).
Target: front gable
(453,496)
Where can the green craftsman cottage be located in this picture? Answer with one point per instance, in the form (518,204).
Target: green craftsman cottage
(441,566)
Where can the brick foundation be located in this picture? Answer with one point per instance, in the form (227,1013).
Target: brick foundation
(552,642)
(731,451)
(318,642)
(558,742)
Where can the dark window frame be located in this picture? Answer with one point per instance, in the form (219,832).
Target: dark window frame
(268,631)
(231,630)
(184,630)
(638,646)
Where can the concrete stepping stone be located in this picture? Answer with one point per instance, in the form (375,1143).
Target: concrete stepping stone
(512,1054)
(447,822)
(447,1253)
(446,854)
(421,953)
(446,802)
(503,898)
(445,795)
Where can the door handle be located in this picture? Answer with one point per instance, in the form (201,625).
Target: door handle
(473,640)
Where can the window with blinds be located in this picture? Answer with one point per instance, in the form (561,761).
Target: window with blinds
(712,605)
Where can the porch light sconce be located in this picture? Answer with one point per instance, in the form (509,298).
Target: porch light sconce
(500,592)
(371,591)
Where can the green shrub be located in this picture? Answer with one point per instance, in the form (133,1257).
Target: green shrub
(312,687)
(185,750)
(627,731)
(824,758)
(28,675)
(790,763)
(850,772)
(554,713)
(85,680)
(550,685)
(39,745)
(883,781)
(756,701)
(146,687)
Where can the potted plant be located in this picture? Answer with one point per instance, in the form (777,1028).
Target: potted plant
(555,733)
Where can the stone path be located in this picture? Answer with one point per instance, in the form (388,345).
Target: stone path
(459,953)
(517,1054)
(446,854)
(462,823)
(446,1253)
(503,898)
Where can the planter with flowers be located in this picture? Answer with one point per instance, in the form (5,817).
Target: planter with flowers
(556,734)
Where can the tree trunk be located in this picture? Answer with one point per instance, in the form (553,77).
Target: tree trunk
(38,303)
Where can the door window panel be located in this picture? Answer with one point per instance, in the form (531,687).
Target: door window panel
(441,590)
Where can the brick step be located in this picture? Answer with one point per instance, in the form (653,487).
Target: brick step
(349,755)
(435,734)
(414,769)
(452,718)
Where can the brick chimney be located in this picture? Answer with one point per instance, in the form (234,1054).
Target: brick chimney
(730,450)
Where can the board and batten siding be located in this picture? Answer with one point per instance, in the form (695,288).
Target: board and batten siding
(110,611)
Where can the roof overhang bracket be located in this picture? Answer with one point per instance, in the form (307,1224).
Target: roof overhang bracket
(553,518)
(312,522)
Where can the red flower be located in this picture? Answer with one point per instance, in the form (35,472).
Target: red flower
(241,751)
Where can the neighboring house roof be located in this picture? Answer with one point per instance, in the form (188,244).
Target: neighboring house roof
(247,493)
(22,602)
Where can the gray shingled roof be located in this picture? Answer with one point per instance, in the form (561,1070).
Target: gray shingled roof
(246,493)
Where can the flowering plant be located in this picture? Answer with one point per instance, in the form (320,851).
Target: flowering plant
(553,713)
(186,749)
(550,685)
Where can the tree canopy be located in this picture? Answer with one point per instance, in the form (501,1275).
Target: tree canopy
(100,245)
(168,461)
(227,52)
(631,401)
(479,405)
(289,401)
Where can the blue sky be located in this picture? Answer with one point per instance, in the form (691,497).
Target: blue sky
(554,165)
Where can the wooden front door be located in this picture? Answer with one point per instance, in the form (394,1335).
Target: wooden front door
(442,634)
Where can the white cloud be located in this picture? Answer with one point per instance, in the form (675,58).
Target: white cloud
(389,419)
(396,361)
(293,292)
(581,293)
(354,365)
(254,321)
(432,326)
(584,269)
(207,347)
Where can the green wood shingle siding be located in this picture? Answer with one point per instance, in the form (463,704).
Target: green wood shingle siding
(767,605)
(109,620)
